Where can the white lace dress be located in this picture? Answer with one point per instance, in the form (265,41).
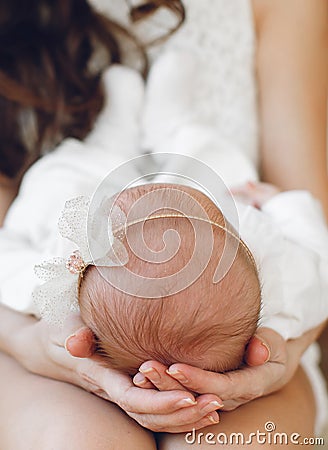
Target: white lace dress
(221,33)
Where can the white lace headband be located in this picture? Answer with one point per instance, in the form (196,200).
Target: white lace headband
(58,295)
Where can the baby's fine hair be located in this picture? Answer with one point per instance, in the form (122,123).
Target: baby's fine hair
(206,324)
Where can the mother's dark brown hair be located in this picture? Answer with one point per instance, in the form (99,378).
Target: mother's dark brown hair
(50,85)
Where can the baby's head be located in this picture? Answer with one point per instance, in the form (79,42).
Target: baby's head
(206,324)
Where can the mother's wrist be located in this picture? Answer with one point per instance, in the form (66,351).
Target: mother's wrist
(311,336)
(296,347)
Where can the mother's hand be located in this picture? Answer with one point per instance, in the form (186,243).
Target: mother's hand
(41,349)
(269,367)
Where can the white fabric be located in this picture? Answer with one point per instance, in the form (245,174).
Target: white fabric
(221,35)
(289,239)
(173,120)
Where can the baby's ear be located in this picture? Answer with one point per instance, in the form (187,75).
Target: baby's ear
(79,343)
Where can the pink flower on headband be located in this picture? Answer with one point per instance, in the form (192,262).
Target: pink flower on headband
(75,264)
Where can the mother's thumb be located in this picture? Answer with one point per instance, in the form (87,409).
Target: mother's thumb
(79,339)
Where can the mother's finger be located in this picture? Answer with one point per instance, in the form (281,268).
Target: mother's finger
(201,381)
(147,422)
(81,344)
(141,381)
(245,382)
(231,385)
(257,352)
(150,401)
(206,421)
(93,376)
(237,387)
(204,410)
(138,400)
(74,335)
(155,372)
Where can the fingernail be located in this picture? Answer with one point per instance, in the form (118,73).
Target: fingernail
(210,406)
(67,341)
(139,379)
(268,350)
(151,373)
(217,404)
(84,333)
(185,402)
(177,375)
(213,418)
(84,346)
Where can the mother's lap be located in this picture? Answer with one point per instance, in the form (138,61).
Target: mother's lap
(42,414)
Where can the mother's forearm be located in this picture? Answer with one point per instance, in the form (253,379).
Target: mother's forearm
(293,94)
